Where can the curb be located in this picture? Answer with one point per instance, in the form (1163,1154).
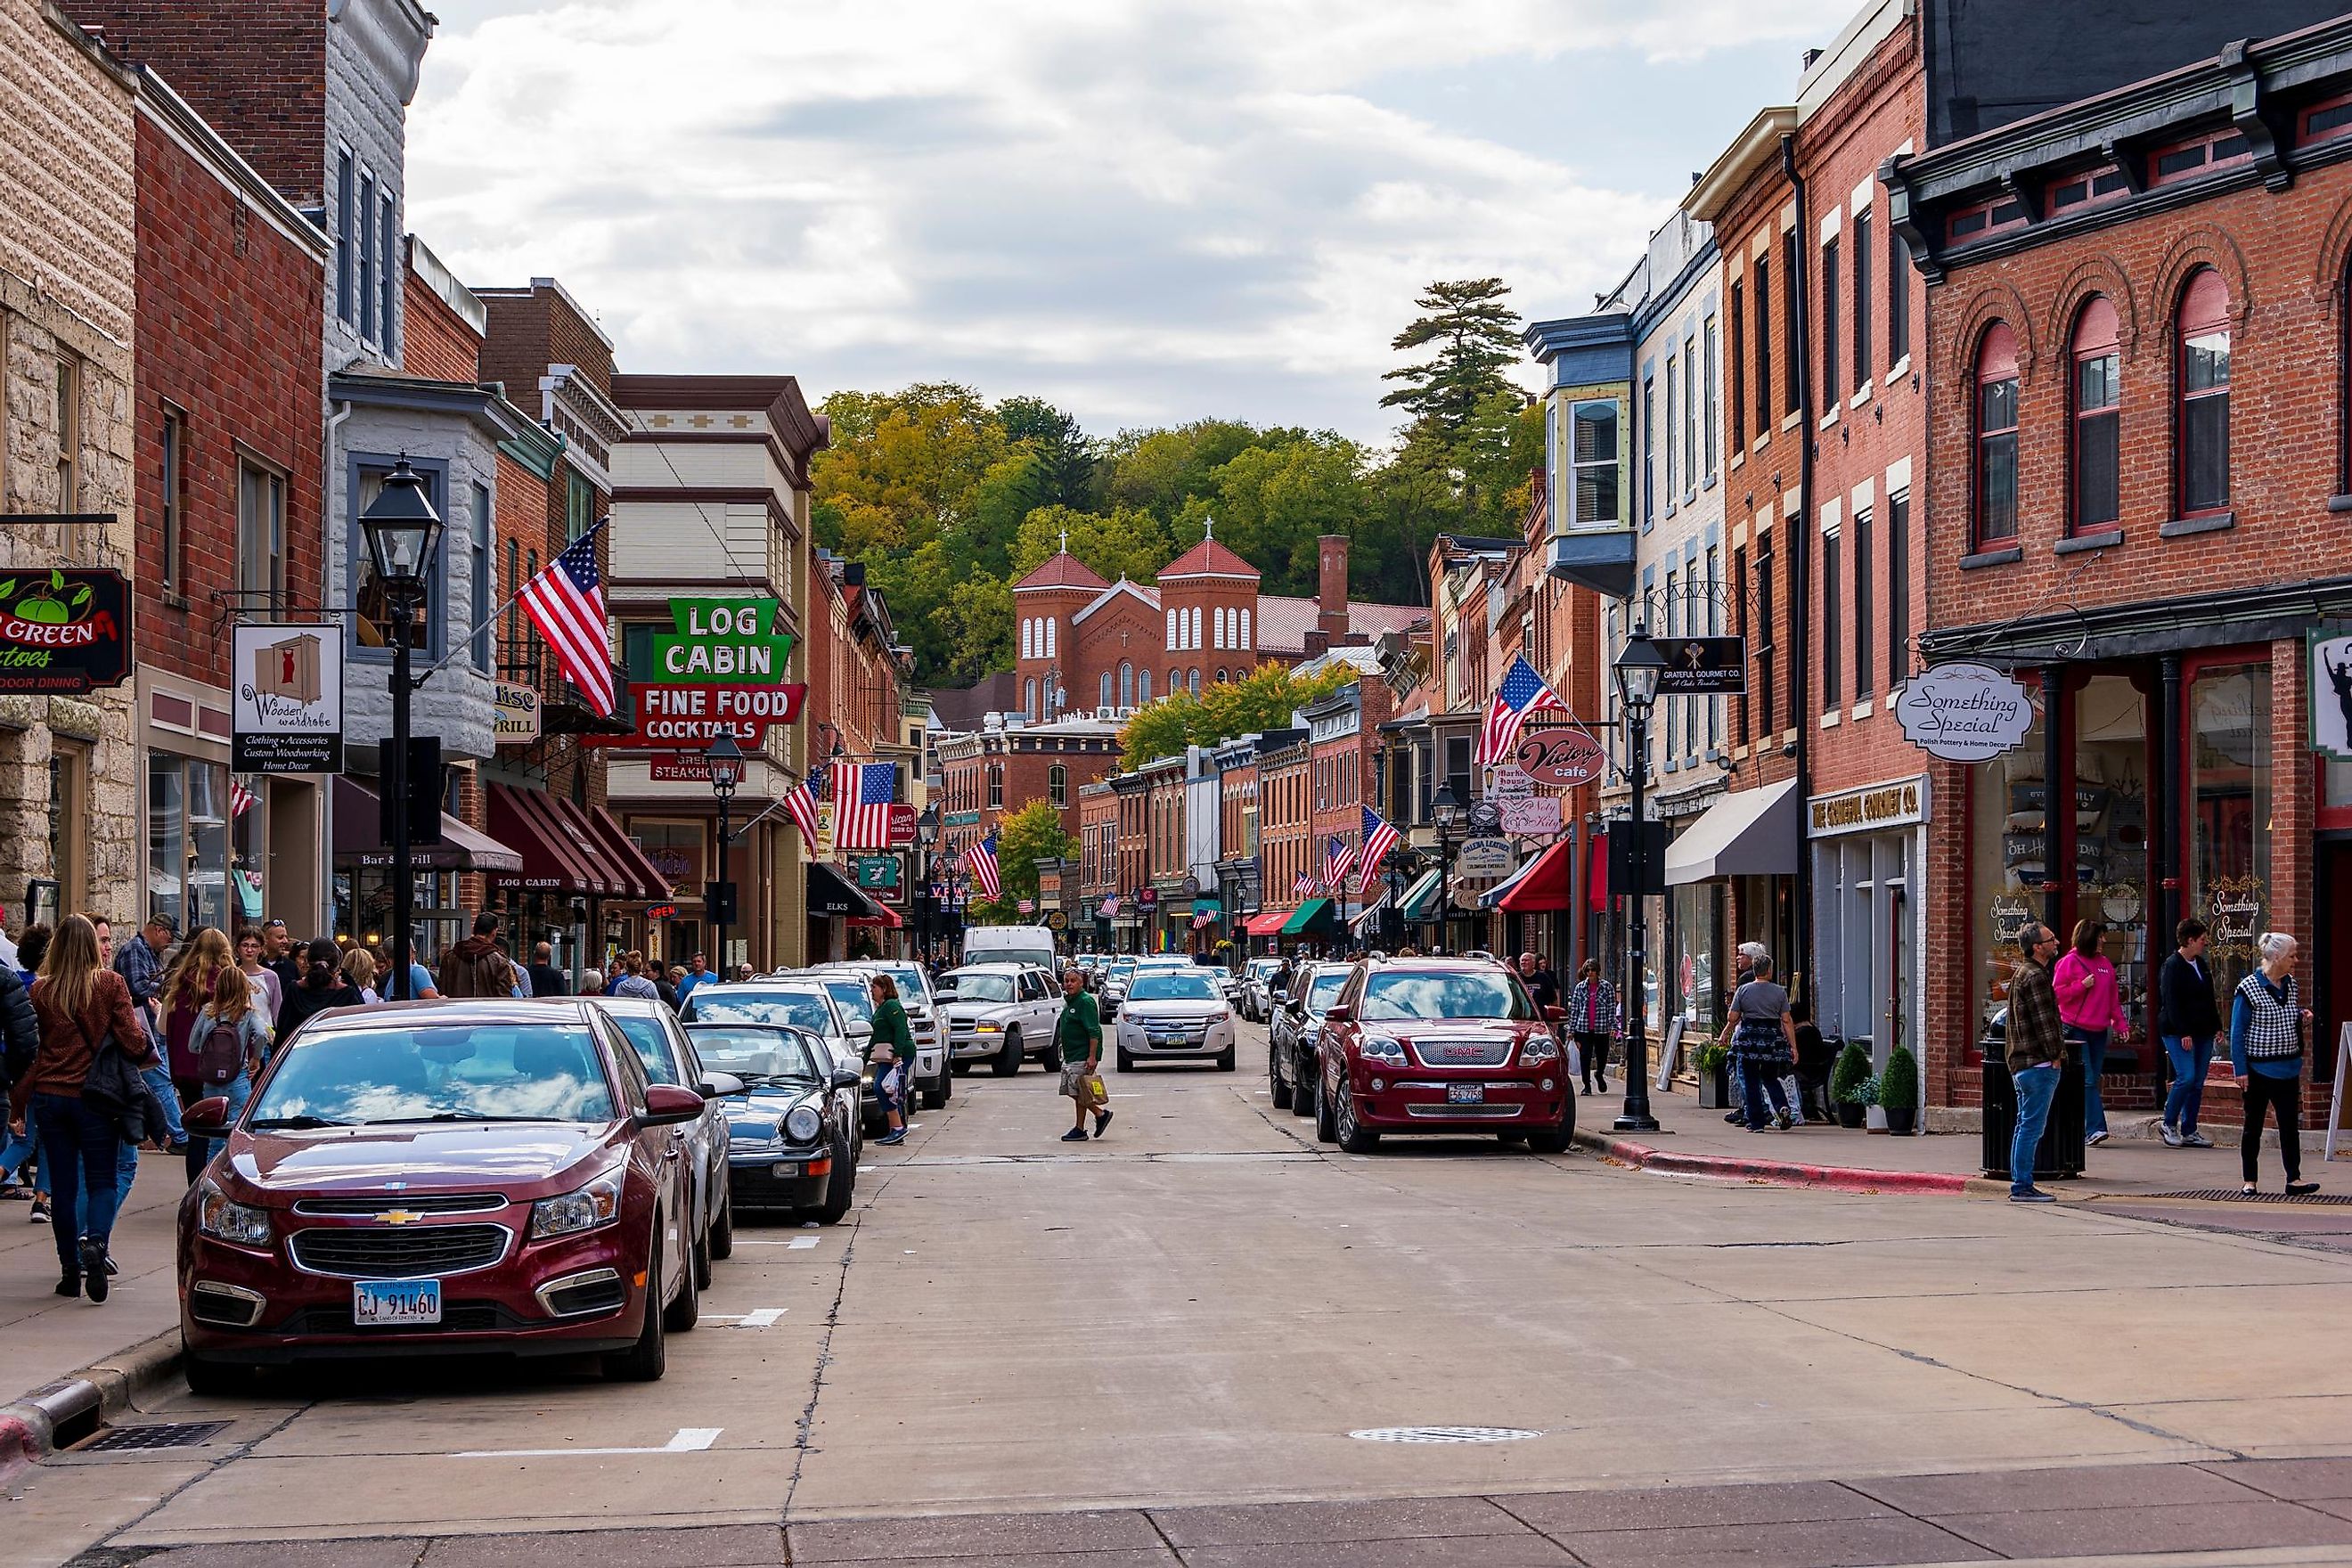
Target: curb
(1785,1173)
(77,1404)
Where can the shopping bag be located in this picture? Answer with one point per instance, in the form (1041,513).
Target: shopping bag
(1576,1061)
(1096,1091)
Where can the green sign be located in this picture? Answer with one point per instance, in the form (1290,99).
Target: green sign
(726,642)
(878,872)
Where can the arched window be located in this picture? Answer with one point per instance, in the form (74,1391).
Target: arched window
(1196,625)
(1196,680)
(1143,685)
(1221,677)
(1106,699)
(1127,684)
(1049,636)
(1244,640)
(1029,697)
(1172,629)
(1175,678)
(1996,435)
(1057,785)
(2097,454)
(2204,394)
(1027,651)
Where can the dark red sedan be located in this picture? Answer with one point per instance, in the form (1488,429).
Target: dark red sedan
(438,1178)
(1440,1045)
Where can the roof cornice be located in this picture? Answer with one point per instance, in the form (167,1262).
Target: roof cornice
(1740,161)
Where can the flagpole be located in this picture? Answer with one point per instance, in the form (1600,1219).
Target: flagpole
(457,649)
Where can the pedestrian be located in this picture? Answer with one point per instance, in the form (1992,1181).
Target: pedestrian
(9,958)
(420,979)
(1078,1033)
(891,1050)
(1814,1060)
(632,980)
(281,955)
(31,943)
(20,1038)
(323,986)
(1593,1019)
(2036,1049)
(230,1041)
(1763,1036)
(2267,1020)
(592,983)
(521,987)
(744,971)
(546,980)
(1543,985)
(697,973)
(2189,1020)
(666,982)
(475,966)
(73,1093)
(268,990)
(2091,1006)
(185,991)
(1743,968)
(359,969)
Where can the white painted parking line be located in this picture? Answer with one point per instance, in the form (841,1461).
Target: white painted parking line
(803,1243)
(792,1243)
(758,1318)
(688,1440)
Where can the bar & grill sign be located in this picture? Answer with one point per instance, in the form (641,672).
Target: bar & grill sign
(288,704)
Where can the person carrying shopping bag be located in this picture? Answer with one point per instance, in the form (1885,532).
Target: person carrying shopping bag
(1762,1037)
(891,1050)
(229,1042)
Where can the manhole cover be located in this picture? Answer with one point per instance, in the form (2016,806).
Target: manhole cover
(2231,1194)
(1444,1434)
(162,1435)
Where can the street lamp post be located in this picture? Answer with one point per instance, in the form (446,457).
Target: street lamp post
(1638,669)
(402,532)
(1395,920)
(1445,808)
(926,838)
(726,760)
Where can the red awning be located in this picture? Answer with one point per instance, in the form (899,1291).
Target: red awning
(639,878)
(888,919)
(1545,884)
(1268,923)
(551,861)
(1596,874)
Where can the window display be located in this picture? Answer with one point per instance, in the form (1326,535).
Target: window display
(2229,744)
(2008,804)
(2111,830)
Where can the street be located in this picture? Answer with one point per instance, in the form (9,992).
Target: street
(1206,1308)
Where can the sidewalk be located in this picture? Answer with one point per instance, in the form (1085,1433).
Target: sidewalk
(1697,1142)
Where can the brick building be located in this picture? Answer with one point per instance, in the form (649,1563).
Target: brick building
(2138,451)
(987,775)
(1098,884)
(1285,834)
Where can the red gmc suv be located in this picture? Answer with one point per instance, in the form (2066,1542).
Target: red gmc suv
(1440,1045)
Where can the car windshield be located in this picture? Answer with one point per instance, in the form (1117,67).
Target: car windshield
(1445,994)
(1122,969)
(757,1054)
(1261,967)
(1180,986)
(1323,990)
(981,987)
(807,1008)
(652,1042)
(912,991)
(472,1071)
(855,1002)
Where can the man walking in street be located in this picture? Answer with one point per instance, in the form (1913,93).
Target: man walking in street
(1593,1019)
(2037,1054)
(1078,1033)
(546,980)
(697,973)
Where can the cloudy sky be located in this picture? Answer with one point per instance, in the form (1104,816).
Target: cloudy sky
(1146,210)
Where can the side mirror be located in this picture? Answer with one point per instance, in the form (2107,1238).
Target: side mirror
(207,1117)
(667,1105)
(843,1078)
(1554,1014)
(1337,1014)
(719,1085)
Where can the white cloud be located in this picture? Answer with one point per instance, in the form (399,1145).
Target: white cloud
(1145,211)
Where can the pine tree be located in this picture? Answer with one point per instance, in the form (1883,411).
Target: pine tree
(1475,334)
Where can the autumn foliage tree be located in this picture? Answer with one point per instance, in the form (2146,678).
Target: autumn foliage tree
(1264,699)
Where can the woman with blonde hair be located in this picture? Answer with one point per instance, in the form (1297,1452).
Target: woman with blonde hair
(84,1008)
(359,968)
(230,1041)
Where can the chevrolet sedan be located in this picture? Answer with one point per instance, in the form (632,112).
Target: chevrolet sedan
(476,1177)
(1175,1015)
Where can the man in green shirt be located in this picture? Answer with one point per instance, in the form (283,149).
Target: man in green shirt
(1078,1033)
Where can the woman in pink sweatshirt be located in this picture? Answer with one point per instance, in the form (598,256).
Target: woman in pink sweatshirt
(2092,1011)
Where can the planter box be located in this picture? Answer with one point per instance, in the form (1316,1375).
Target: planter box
(1715,1090)
(1850,1115)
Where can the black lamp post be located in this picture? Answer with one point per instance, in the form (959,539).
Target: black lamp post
(402,532)
(1638,669)
(726,760)
(1445,808)
(927,839)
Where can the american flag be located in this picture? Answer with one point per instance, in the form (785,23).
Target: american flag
(566,602)
(862,793)
(802,803)
(240,799)
(1303,885)
(982,858)
(1523,692)
(1379,838)
(1339,855)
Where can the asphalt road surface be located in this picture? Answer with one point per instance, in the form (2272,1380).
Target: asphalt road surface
(1207,1308)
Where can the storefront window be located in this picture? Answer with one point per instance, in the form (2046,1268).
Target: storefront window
(2111,823)
(2230,811)
(677,850)
(2007,805)
(249,837)
(187,840)
(1695,938)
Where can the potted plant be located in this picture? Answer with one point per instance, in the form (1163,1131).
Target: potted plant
(1898,1092)
(1714,1076)
(1849,1081)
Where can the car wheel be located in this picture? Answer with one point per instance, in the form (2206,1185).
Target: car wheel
(1555,1140)
(1125,1062)
(1008,1060)
(1302,1095)
(1354,1136)
(840,1189)
(1051,1060)
(935,1094)
(958,1066)
(1327,1130)
(209,1379)
(1226,1059)
(702,1262)
(722,1229)
(685,1309)
(646,1361)
(1277,1084)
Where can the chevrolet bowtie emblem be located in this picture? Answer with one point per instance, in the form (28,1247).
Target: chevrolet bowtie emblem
(400,1216)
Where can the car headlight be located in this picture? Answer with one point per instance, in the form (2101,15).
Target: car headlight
(231,1221)
(1374,1049)
(1538,1048)
(802,1124)
(598,1203)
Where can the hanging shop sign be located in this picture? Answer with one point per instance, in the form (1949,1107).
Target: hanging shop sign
(1965,713)
(64,631)
(287,707)
(515,714)
(739,642)
(1532,817)
(877,872)
(1056,920)
(1872,807)
(2331,692)
(1703,667)
(689,718)
(1561,757)
(680,767)
(1485,857)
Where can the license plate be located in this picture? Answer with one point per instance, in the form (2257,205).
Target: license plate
(1465,1094)
(785,1168)
(391,1303)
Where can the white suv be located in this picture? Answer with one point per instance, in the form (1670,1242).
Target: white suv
(931,1080)
(1003,1012)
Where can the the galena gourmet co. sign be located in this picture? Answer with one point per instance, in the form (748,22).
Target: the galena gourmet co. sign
(64,630)
(1965,713)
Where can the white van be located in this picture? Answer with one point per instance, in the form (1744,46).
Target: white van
(1031,945)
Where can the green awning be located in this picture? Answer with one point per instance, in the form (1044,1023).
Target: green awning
(1420,902)
(1306,915)
(1207,906)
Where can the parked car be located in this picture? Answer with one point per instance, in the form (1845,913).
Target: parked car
(441,1177)
(1440,1045)
(794,1125)
(1297,1025)
(1003,1013)
(1257,983)
(932,1080)
(793,997)
(1175,1015)
(669,1058)
(1114,986)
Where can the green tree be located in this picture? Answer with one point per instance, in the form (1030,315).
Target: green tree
(1064,453)
(1030,835)
(906,467)
(1158,470)
(1474,336)
(1262,700)
(1272,500)
(1128,542)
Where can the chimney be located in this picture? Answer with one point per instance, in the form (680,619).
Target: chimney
(1331,585)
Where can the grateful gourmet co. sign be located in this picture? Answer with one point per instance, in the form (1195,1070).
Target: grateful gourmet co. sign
(64,631)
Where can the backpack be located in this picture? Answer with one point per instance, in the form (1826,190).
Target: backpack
(220,1050)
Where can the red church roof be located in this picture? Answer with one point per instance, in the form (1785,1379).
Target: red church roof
(1062,570)
(1208,559)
